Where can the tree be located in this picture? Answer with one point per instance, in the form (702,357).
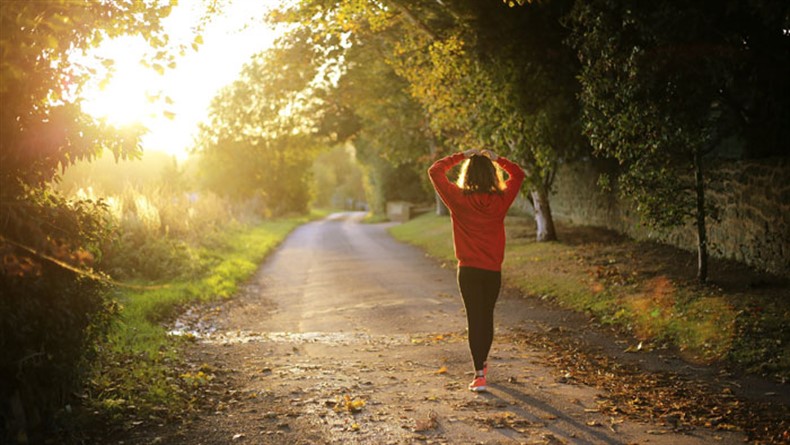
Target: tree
(467,65)
(258,143)
(42,125)
(665,83)
(338,179)
(390,135)
(502,79)
(51,311)
(368,105)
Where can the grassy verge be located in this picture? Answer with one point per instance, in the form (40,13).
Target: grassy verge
(137,372)
(646,289)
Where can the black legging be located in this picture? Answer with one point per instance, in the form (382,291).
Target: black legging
(480,290)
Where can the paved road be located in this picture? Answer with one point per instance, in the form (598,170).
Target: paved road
(338,275)
(347,336)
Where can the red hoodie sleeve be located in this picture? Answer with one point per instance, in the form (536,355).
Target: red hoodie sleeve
(448,191)
(513,183)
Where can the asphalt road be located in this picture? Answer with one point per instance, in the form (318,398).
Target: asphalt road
(338,275)
(347,336)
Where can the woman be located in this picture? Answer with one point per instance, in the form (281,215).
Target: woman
(478,204)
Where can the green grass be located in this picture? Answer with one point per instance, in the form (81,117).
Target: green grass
(138,366)
(430,232)
(621,284)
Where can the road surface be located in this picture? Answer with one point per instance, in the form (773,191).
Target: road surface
(347,336)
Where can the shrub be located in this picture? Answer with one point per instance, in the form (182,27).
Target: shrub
(51,314)
(156,232)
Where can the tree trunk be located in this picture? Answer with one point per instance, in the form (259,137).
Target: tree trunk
(543,218)
(702,233)
(441,209)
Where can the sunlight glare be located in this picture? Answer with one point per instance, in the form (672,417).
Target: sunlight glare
(172,104)
(125,99)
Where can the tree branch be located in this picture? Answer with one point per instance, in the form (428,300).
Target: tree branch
(83,272)
(419,24)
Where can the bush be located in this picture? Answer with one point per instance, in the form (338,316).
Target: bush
(51,315)
(47,332)
(157,232)
(56,309)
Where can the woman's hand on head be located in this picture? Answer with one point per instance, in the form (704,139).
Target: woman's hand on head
(471,152)
(490,154)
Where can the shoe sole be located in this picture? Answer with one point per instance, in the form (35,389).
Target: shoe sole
(478,389)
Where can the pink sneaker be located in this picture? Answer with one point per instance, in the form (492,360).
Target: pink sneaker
(478,384)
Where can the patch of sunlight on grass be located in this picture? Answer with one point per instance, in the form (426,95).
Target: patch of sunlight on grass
(705,328)
(541,270)
(653,309)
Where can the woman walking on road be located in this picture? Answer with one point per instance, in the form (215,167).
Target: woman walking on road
(478,204)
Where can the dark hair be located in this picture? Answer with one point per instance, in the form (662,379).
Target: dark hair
(480,175)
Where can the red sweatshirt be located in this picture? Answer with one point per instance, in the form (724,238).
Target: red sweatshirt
(478,218)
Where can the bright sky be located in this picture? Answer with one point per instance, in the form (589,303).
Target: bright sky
(229,41)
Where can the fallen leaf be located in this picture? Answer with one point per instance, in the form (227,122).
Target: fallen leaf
(427,423)
(636,348)
(349,404)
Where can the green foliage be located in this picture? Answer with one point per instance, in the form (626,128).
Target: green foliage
(338,179)
(503,79)
(137,254)
(258,144)
(664,84)
(47,340)
(395,183)
(154,224)
(638,107)
(477,75)
(43,127)
(390,137)
(157,232)
(52,314)
(677,77)
(368,104)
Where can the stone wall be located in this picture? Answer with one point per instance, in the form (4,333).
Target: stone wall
(753,198)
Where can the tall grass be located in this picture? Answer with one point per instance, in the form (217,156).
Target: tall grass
(159,232)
